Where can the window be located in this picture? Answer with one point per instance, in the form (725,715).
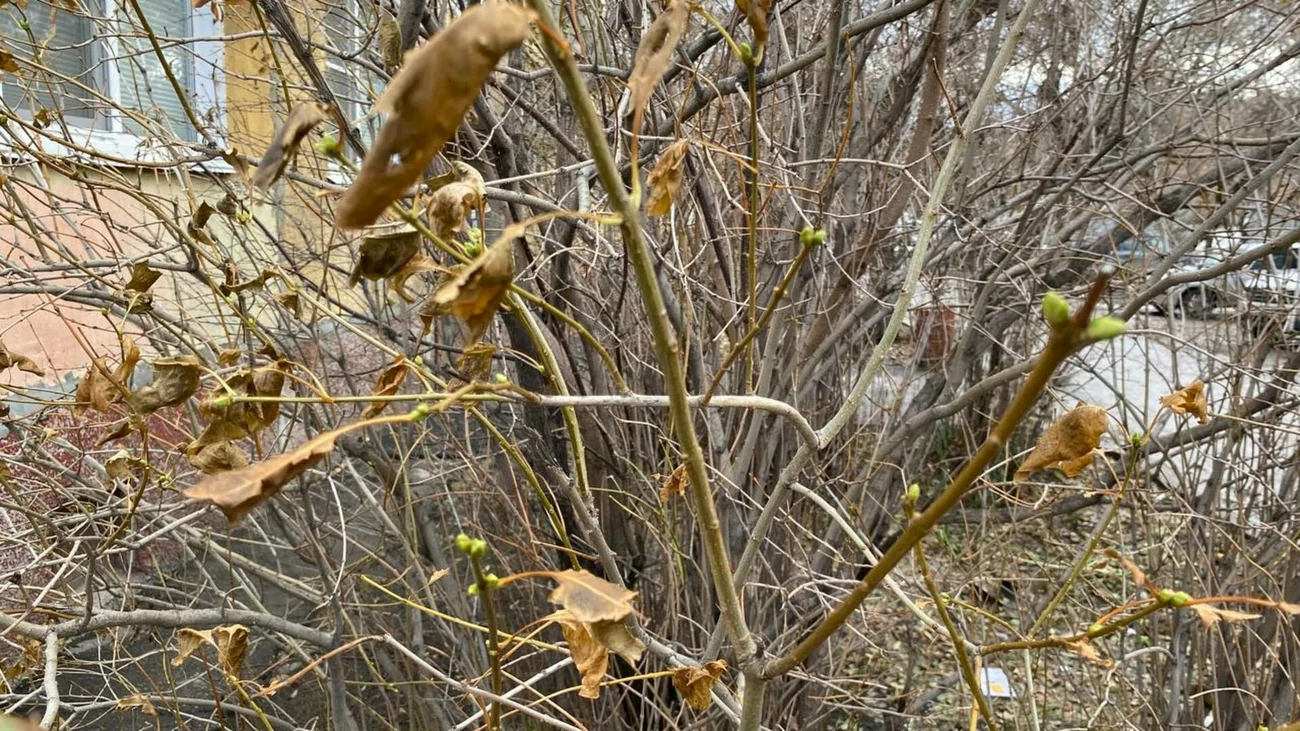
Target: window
(97,50)
(346,29)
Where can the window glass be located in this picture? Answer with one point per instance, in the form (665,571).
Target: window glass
(142,82)
(61,40)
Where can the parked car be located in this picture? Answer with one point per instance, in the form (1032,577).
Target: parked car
(1272,293)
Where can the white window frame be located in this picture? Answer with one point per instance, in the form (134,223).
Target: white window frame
(207,85)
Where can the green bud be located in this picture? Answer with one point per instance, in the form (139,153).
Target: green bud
(1056,311)
(243,217)
(473,590)
(464,543)
(1096,627)
(4,119)
(1136,438)
(819,237)
(1105,328)
(421,411)
(746,53)
(492,581)
(222,401)
(913,492)
(419,360)
(501,378)
(477,548)
(1173,598)
(329,146)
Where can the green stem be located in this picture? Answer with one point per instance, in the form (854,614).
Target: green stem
(665,341)
(485,589)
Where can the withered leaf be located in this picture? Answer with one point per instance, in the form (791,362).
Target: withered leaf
(475,362)
(7,62)
(1191,400)
(589,656)
(4,409)
(615,635)
(137,701)
(389,381)
(1139,576)
(240,419)
(213,458)
(1087,651)
(696,684)
(123,428)
(1067,444)
(10,359)
(666,179)
(230,641)
(237,492)
(122,465)
(655,51)
(755,12)
(417,264)
(674,485)
(452,202)
(291,302)
(384,254)
(588,597)
(301,120)
(232,287)
(1211,615)
(142,277)
(427,100)
(99,389)
(174,380)
(478,290)
(390,39)
(201,216)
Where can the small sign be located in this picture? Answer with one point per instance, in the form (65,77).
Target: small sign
(995,683)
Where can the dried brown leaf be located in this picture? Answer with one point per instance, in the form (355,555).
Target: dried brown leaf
(450,204)
(97,389)
(655,51)
(427,100)
(137,701)
(230,642)
(475,362)
(1068,444)
(1087,651)
(390,39)
(666,179)
(233,287)
(616,636)
(174,380)
(1211,615)
(237,492)
(589,656)
(417,264)
(1189,399)
(213,458)
(10,359)
(142,277)
(389,382)
(696,684)
(755,12)
(588,597)
(7,62)
(238,420)
(674,485)
(384,254)
(301,120)
(478,290)
(1139,576)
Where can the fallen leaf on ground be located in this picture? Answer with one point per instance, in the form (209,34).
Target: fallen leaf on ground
(426,102)
(1068,444)
(696,684)
(1190,400)
(301,120)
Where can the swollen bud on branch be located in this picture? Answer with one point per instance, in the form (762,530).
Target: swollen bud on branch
(328,145)
(1173,598)
(810,237)
(1106,328)
(1056,311)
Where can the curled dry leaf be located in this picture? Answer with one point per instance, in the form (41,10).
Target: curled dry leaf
(390,39)
(230,641)
(616,636)
(231,286)
(427,101)
(655,51)
(1211,615)
(213,458)
(589,656)
(588,597)
(696,684)
(674,485)
(384,254)
(242,419)
(237,492)
(301,120)
(142,277)
(10,359)
(449,204)
(137,701)
(755,12)
(1139,576)
(475,362)
(1087,651)
(8,62)
(99,389)
(1190,400)
(198,221)
(1067,444)
(476,292)
(417,264)
(389,381)
(174,380)
(666,179)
